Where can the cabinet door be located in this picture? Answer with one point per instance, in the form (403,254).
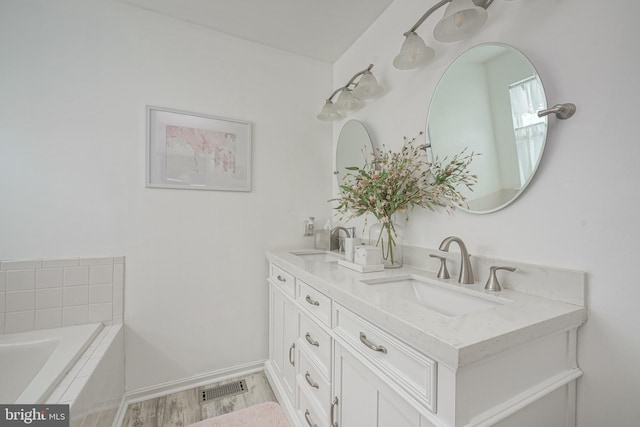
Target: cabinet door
(284,331)
(291,322)
(364,400)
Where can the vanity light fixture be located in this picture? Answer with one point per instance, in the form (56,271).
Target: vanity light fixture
(351,95)
(462,18)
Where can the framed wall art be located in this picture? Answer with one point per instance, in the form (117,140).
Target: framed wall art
(197,151)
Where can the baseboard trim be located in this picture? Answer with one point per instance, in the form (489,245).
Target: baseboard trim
(122,410)
(169,387)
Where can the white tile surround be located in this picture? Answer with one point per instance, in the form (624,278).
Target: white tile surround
(49,293)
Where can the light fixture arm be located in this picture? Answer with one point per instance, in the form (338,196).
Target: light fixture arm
(351,81)
(481,3)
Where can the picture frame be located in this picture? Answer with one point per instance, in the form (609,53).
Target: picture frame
(194,151)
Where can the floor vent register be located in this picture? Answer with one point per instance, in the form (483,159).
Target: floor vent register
(224,390)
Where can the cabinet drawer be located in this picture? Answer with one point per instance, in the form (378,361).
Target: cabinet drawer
(284,279)
(397,361)
(316,386)
(308,411)
(315,302)
(317,343)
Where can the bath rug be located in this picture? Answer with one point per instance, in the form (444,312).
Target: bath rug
(268,414)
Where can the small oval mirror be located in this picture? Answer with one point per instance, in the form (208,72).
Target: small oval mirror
(487,101)
(353,148)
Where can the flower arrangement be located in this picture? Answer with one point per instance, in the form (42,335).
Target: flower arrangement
(391,182)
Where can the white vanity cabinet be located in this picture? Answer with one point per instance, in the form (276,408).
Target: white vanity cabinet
(339,357)
(300,348)
(363,399)
(394,360)
(283,332)
(329,384)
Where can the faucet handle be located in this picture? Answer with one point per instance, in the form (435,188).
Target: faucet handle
(443,273)
(492,283)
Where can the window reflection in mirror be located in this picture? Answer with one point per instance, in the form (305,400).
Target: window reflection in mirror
(527,98)
(487,100)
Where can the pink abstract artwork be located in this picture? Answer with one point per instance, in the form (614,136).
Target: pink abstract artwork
(207,151)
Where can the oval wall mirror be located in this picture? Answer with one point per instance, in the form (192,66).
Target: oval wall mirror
(487,101)
(353,148)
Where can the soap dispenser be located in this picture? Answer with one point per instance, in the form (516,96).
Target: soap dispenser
(309,226)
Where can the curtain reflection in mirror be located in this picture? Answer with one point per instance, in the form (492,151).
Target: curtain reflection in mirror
(527,98)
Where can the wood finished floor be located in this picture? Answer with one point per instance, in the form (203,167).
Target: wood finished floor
(183,408)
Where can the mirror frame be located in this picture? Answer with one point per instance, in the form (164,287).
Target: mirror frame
(544,140)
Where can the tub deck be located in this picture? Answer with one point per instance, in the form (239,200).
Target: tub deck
(45,356)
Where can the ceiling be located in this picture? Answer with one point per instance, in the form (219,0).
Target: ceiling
(318,29)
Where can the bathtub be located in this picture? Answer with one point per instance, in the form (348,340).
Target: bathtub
(33,363)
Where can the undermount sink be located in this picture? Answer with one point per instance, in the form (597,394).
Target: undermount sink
(318,256)
(437,297)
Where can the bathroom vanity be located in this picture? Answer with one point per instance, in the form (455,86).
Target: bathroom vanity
(403,348)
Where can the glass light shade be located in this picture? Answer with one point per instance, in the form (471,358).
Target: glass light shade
(347,102)
(367,87)
(414,53)
(461,19)
(329,112)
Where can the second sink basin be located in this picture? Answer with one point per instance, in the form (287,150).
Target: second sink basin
(437,297)
(318,256)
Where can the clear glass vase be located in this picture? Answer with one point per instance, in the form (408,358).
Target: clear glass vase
(389,237)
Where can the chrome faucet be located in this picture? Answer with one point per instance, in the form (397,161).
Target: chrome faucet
(335,242)
(466,272)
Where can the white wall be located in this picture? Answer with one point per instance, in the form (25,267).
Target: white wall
(502,71)
(75,78)
(469,83)
(580,211)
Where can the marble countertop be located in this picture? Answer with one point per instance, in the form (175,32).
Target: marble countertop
(454,340)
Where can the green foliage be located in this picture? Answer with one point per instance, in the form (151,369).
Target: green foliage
(398,181)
